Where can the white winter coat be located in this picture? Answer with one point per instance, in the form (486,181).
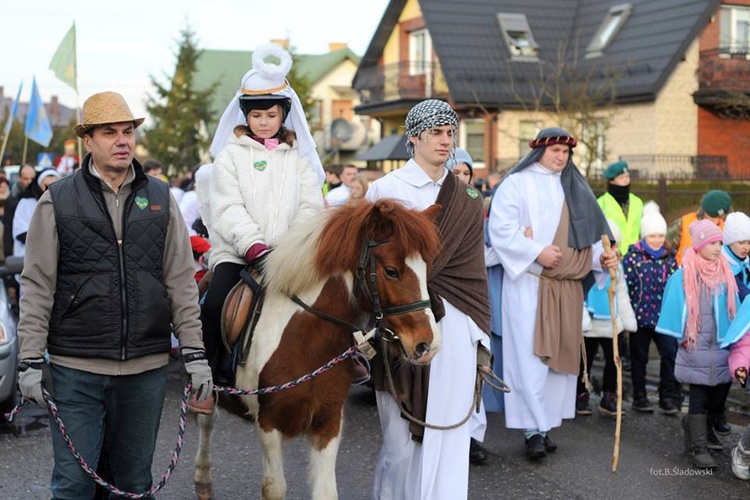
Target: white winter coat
(600,326)
(254,195)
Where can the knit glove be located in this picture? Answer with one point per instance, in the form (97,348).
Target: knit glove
(30,380)
(256,254)
(196,365)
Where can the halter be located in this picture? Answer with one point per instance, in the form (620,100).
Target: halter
(367,284)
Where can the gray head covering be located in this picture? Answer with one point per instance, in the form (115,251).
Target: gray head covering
(587,221)
(427,115)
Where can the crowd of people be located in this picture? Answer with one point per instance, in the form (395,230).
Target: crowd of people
(520,286)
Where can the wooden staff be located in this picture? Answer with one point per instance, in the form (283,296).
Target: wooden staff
(615,354)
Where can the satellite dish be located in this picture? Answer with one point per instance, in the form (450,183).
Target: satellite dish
(341,130)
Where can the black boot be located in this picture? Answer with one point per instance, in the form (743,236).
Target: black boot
(720,425)
(712,441)
(698,442)
(535,447)
(477,453)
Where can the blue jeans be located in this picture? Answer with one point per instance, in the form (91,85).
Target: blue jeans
(126,408)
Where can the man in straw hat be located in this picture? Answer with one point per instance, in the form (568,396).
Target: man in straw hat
(108,274)
(417,462)
(545,279)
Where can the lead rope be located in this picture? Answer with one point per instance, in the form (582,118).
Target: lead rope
(501,386)
(181,426)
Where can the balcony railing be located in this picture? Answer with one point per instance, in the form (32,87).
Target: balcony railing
(675,167)
(725,69)
(404,80)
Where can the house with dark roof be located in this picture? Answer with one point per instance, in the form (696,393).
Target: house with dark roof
(339,133)
(619,74)
(59,114)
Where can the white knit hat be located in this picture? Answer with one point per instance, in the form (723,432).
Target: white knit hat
(652,221)
(615,230)
(736,228)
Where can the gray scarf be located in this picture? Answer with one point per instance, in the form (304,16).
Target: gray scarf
(587,221)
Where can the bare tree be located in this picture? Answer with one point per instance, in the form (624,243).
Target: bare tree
(581,98)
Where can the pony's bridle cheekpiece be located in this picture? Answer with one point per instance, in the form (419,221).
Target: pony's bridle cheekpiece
(367,284)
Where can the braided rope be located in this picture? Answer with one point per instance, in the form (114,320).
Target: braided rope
(181,426)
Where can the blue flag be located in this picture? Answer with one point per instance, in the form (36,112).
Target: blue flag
(13,112)
(38,127)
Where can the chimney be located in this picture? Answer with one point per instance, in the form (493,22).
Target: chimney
(54,107)
(334,46)
(284,42)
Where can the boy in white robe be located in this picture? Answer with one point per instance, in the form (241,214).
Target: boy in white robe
(435,464)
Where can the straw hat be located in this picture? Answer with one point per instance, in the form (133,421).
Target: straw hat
(103,108)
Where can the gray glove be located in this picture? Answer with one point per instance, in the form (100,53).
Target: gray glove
(197,367)
(30,380)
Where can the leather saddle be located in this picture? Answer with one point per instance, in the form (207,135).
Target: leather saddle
(241,310)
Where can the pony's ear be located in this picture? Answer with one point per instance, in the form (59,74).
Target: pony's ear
(432,211)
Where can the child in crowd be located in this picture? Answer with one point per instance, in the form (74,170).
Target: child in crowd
(739,363)
(700,302)
(648,265)
(600,334)
(736,249)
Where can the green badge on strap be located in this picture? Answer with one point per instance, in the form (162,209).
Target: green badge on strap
(141,202)
(260,166)
(473,193)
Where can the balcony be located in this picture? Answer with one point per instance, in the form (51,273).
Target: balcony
(404,81)
(677,167)
(724,81)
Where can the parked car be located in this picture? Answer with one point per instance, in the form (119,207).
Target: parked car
(8,340)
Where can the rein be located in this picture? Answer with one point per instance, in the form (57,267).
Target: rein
(490,378)
(367,284)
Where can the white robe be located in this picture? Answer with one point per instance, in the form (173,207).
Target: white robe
(438,468)
(540,397)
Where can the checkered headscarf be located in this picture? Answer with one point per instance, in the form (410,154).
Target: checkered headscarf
(427,115)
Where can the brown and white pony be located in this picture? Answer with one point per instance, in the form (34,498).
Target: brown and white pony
(328,265)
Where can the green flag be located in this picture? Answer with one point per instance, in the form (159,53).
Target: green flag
(63,63)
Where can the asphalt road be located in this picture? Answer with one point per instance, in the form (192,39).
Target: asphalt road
(651,465)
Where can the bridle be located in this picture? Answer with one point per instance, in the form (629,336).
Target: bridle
(366,283)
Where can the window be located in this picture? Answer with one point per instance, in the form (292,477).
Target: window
(518,37)
(527,131)
(591,149)
(473,131)
(609,28)
(734,29)
(313,112)
(420,52)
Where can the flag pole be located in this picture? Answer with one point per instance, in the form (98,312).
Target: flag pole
(78,139)
(5,143)
(25,147)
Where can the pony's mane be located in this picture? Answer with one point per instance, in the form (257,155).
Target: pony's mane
(409,231)
(290,267)
(330,244)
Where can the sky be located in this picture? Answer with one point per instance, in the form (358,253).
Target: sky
(120,45)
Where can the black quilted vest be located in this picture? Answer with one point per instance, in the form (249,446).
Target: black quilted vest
(110,301)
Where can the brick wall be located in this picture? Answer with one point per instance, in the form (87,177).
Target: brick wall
(717,135)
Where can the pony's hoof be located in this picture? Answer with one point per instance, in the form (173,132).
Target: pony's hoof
(204,491)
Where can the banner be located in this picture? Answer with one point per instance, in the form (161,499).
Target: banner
(13,112)
(38,127)
(63,63)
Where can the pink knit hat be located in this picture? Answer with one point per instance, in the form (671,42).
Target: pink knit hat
(704,232)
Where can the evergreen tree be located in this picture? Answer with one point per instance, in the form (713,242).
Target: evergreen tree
(179,113)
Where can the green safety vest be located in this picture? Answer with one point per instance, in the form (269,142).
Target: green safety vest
(630,226)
